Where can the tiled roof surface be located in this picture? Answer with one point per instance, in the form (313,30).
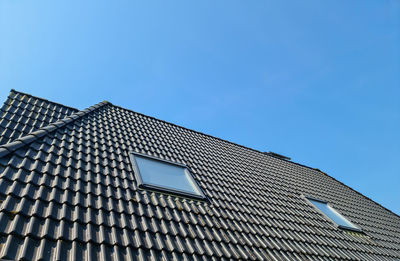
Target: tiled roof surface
(22,113)
(67,192)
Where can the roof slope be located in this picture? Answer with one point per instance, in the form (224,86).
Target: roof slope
(22,113)
(68,193)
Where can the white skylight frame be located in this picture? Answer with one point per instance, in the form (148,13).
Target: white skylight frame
(162,188)
(350,225)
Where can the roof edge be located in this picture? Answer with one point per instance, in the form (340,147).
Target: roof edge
(185,128)
(266,155)
(42,99)
(5,149)
(326,174)
(214,137)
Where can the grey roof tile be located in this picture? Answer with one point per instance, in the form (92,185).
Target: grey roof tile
(22,114)
(70,193)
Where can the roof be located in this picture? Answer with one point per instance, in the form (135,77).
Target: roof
(68,192)
(22,113)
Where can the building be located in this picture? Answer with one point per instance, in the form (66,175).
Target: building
(107,183)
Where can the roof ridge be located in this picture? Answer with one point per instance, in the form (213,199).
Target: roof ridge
(42,99)
(7,148)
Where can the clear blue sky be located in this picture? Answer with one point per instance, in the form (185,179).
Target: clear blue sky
(318,81)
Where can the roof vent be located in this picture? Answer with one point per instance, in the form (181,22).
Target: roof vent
(276,155)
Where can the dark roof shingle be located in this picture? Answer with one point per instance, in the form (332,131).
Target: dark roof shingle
(22,113)
(71,194)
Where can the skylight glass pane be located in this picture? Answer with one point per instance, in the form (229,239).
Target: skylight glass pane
(165,175)
(332,214)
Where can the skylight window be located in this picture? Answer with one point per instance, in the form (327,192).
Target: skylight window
(333,214)
(156,174)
